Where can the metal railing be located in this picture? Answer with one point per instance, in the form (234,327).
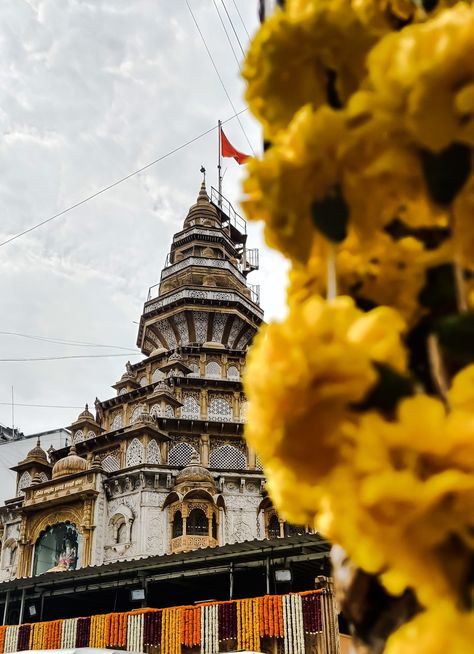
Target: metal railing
(228,210)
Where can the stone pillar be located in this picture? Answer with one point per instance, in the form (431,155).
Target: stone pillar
(236,406)
(164,451)
(204,403)
(282,527)
(202,365)
(252,458)
(126,416)
(123,453)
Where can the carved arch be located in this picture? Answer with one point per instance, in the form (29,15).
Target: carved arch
(121,519)
(67,514)
(199,494)
(172,497)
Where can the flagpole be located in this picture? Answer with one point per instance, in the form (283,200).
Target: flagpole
(219,163)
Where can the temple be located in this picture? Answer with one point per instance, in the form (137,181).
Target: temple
(157,487)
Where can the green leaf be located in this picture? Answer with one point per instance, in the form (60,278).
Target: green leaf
(390,388)
(446,172)
(439,292)
(456,335)
(331,215)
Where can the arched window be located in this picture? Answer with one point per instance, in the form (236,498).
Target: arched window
(233,373)
(136,413)
(122,533)
(24,482)
(169,411)
(12,555)
(273,527)
(214,526)
(153,452)
(79,436)
(227,457)
(219,409)
(180,454)
(190,408)
(43,477)
(213,370)
(143,381)
(117,422)
(197,523)
(57,549)
(177,525)
(111,463)
(155,411)
(157,376)
(90,434)
(135,453)
(194,370)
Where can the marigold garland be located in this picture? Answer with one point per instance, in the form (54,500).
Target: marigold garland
(246,621)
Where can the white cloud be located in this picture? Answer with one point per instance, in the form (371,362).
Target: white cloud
(90,91)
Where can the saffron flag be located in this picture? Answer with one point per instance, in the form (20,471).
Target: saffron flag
(228,150)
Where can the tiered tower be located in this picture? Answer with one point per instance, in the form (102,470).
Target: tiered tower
(162,467)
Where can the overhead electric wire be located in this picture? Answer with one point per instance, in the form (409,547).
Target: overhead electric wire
(60,341)
(42,406)
(219,75)
(68,356)
(227,34)
(122,179)
(241,19)
(233,28)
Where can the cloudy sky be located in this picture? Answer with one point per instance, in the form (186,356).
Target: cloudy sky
(91,90)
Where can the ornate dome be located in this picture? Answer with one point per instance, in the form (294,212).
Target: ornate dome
(69,465)
(162,386)
(37,452)
(85,415)
(202,211)
(194,472)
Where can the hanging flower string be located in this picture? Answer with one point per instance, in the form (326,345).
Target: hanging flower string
(247,621)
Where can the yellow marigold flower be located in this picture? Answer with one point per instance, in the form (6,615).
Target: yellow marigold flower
(381,172)
(298,169)
(424,75)
(463,228)
(280,77)
(376,271)
(304,373)
(461,394)
(295,52)
(297,500)
(439,630)
(403,501)
(384,15)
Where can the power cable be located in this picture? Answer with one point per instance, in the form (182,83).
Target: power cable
(119,181)
(60,341)
(68,356)
(241,19)
(233,28)
(227,34)
(43,406)
(218,75)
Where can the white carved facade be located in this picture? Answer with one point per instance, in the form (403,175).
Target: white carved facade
(165,454)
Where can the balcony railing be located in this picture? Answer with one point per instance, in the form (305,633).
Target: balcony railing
(207,262)
(199,294)
(229,212)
